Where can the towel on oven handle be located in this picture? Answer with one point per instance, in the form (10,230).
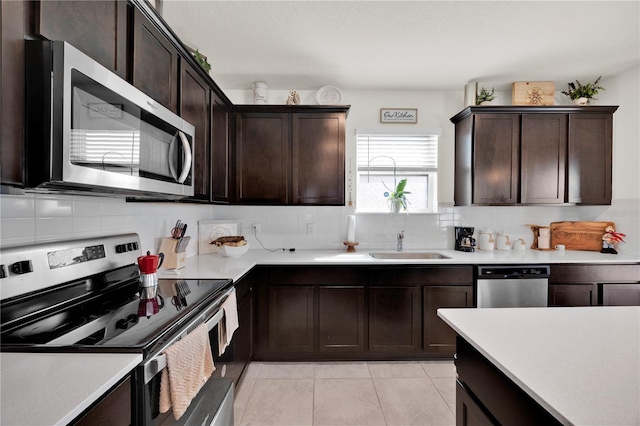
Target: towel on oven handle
(229,322)
(189,366)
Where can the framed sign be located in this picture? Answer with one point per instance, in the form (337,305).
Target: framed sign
(395,115)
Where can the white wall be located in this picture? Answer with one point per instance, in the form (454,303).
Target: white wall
(30,218)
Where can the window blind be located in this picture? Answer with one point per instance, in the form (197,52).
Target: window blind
(411,153)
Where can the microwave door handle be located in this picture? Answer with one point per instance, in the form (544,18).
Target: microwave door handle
(186,164)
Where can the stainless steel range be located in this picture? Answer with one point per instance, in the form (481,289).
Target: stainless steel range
(85,295)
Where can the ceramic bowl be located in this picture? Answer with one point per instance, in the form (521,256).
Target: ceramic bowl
(230,251)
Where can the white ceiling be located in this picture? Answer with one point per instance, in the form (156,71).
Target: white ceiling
(408,45)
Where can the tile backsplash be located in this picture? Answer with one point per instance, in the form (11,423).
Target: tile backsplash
(30,218)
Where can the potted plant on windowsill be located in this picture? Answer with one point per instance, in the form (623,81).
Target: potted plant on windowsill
(485,97)
(583,94)
(397,198)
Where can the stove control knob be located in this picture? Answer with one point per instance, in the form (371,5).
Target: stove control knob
(122,324)
(3,272)
(22,267)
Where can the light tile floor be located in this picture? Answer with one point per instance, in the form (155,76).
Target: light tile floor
(347,393)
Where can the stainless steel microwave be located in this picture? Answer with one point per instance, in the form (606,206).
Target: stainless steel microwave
(89,130)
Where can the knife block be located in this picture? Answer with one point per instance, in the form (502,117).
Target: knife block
(172,260)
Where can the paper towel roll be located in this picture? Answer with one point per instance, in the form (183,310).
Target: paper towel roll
(351,228)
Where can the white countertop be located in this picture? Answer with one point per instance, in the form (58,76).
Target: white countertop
(49,388)
(581,364)
(211,266)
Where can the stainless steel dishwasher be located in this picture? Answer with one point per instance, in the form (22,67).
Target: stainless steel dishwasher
(512,286)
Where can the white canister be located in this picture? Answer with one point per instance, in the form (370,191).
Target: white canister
(260,92)
(486,241)
(502,241)
(520,244)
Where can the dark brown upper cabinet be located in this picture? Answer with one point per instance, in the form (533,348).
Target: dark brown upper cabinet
(262,158)
(544,152)
(155,62)
(194,108)
(98,28)
(318,158)
(590,157)
(533,155)
(221,150)
(290,155)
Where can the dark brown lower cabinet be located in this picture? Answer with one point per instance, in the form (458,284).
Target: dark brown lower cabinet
(621,294)
(468,411)
(486,396)
(573,295)
(113,409)
(394,319)
(439,338)
(341,319)
(291,318)
(594,285)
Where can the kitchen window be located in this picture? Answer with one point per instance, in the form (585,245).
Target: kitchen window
(384,159)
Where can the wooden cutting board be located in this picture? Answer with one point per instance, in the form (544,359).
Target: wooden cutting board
(579,235)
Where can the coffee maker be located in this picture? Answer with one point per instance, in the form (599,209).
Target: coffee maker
(464,239)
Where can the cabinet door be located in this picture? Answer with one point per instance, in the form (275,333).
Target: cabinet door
(12,71)
(468,411)
(341,319)
(318,158)
(621,294)
(544,147)
(194,108)
(155,63)
(590,158)
(496,158)
(573,295)
(262,158)
(242,344)
(98,28)
(221,151)
(291,319)
(114,408)
(438,336)
(394,319)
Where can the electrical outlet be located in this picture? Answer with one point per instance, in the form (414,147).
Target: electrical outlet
(311,228)
(255,228)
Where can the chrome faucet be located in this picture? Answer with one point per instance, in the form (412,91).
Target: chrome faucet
(400,238)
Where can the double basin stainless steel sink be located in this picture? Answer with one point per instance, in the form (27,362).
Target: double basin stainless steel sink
(408,255)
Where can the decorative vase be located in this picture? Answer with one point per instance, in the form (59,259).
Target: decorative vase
(485,103)
(581,101)
(396,206)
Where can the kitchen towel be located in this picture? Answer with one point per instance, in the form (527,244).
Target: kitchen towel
(228,323)
(189,366)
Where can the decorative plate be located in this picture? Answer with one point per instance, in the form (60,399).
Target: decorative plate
(329,95)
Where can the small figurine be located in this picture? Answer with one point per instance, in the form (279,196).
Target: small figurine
(610,239)
(294,98)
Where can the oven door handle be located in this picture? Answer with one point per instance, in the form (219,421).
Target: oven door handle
(159,362)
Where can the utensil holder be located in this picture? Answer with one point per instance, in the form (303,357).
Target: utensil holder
(172,260)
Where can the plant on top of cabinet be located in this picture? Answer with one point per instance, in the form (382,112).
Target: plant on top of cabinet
(202,60)
(485,96)
(583,94)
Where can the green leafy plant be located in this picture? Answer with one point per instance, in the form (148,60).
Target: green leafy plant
(398,195)
(485,96)
(578,90)
(202,60)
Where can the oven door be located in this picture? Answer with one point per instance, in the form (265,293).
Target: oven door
(213,405)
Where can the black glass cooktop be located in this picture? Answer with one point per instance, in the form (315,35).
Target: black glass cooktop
(110,317)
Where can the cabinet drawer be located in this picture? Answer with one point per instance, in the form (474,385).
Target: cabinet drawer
(445,275)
